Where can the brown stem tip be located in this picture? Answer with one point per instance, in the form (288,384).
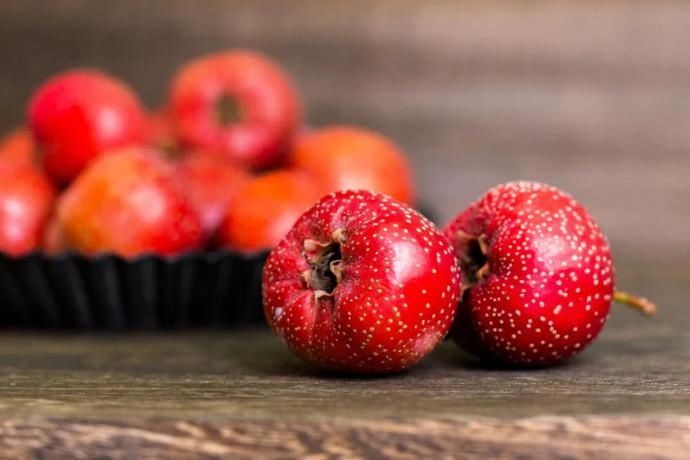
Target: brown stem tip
(325,260)
(640,304)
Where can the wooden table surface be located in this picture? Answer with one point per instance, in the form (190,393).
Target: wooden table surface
(591,96)
(242,394)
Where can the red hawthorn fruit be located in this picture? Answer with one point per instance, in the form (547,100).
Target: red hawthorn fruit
(159,132)
(537,273)
(211,182)
(362,283)
(265,209)
(236,102)
(128,203)
(345,157)
(299,136)
(26,199)
(77,115)
(17,147)
(52,242)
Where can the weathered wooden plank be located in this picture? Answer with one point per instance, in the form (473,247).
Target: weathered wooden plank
(635,370)
(242,393)
(533,438)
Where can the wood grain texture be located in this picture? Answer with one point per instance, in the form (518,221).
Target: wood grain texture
(638,365)
(533,438)
(244,395)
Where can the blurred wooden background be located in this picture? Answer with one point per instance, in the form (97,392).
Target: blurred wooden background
(592,96)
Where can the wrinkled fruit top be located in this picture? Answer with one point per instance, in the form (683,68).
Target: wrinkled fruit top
(237,102)
(362,283)
(539,272)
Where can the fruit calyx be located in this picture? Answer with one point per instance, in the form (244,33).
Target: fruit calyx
(474,261)
(228,110)
(326,264)
(644,306)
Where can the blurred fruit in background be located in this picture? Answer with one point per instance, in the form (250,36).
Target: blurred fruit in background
(236,102)
(159,132)
(346,157)
(77,115)
(184,181)
(266,208)
(26,199)
(129,203)
(211,182)
(17,147)
(53,242)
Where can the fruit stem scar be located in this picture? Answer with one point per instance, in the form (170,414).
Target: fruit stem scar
(228,110)
(338,236)
(474,261)
(313,246)
(336,268)
(320,293)
(640,304)
(325,260)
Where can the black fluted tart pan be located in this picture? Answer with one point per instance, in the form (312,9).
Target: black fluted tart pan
(220,289)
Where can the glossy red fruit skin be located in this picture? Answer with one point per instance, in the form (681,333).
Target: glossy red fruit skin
(52,242)
(550,280)
(79,114)
(397,296)
(129,204)
(353,158)
(26,199)
(268,104)
(265,208)
(160,134)
(210,182)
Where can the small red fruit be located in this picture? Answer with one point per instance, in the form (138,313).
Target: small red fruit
(362,283)
(265,209)
(159,132)
(538,275)
(52,242)
(17,147)
(344,157)
(236,102)
(211,182)
(26,199)
(77,115)
(128,203)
